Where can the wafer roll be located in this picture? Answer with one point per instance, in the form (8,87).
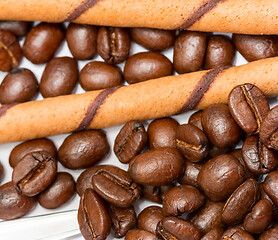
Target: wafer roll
(146,100)
(236,16)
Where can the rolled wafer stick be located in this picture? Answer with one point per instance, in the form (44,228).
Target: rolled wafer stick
(146,100)
(237,16)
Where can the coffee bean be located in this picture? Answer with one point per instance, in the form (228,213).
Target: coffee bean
(10,51)
(146,65)
(248,106)
(113,44)
(189,51)
(213,234)
(12,204)
(2,172)
(18,28)
(83,149)
(270,186)
(34,173)
(100,75)
(130,141)
(270,234)
(190,174)
(19,85)
(220,176)
(263,195)
(236,233)
(196,119)
(59,192)
(82,40)
(42,42)
(155,194)
(157,167)
(139,234)
(93,216)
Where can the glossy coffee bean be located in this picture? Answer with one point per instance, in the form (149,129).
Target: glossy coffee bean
(2,172)
(18,28)
(139,234)
(248,106)
(190,174)
(82,40)
(146,65)
(83,149)
(189,51)
(10,51)
(220,176)
(162,133)
(155,194)
(20,85)
(34,173)
(263,195)
(42,42)
(36,145)
(59,192)
(219,126)
(113,44)
(130,141)
(93,216)
(181,199)
(100,75)
(196,119)
(255,47)
(270,186)
(157,167)
(236,233)
(12,204)
(270,234)
(213,234)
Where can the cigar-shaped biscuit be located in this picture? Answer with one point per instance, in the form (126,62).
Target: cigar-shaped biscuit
(237,16)
(145,100)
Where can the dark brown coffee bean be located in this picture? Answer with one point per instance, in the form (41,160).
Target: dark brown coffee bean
(213,234)
(2,172)
(113,44)
(255,47)
(241,202)
(123,219)
(130,141)
(181,199)
(12,204)
(196,119)
(157,167)
(100,75)
(146,65)
(219,126)
(36,145)
(220,176)
(137,234)
(216,151)
(34,173)
(190,174)
(83,149)
(82,40)
(189,51)
(265,196)
(10,51)
(236,234)
(59,192)
(270,234)
(93,216)
(18,28)
(270,186)
(42,42)
(155,194)
(248,106)
(162,133)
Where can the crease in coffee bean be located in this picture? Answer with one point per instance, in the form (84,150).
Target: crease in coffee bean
(89,222)
(113,44)
(6,48)
(164,234)
(184,144)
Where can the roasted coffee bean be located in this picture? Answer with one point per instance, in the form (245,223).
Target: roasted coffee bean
(82,40)
(116,187)
(219,126)
(12,204)
(176,228)
(213,234)
(59,192)
(153,39)
(2,172)
(162,133)
(34,173)
(139,234)
(248,106)
(270,234)
(220,52)
(42,42)
(83,149)
(100,75)
(113,44)
(10,51)
(220,176)
(236,234)
(265,196)
(196,119)
(270,186)
(192,143)
(18,28)
(130,141)
(258,158)
(189,51)
(123,219)
(216,151)
(36,145)
(20,85)
(181,199)
(190,174)
(146,65)
(93,216)
(157,167)
(241,202)
(155,194)
(269,129)
(255,47)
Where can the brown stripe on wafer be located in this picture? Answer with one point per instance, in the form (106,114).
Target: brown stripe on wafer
(201,11)
(4,108)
